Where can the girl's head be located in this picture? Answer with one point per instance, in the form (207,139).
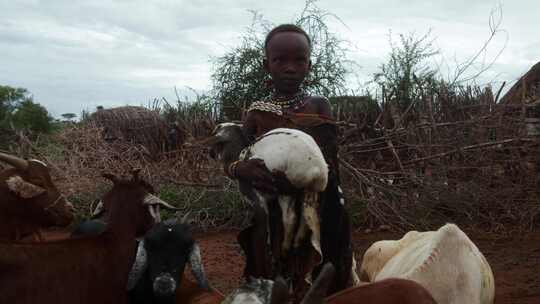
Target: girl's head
(287,48)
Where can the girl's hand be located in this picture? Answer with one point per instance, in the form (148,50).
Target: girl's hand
(255,172)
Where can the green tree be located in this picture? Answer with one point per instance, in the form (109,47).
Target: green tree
(32,117)
(407,70)
(10,98)
(239,77)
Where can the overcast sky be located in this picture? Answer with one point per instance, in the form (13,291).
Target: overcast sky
(75,55)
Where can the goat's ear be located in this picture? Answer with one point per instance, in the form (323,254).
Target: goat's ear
(98,210)
(197,269)
(317,291)
(23,188)
(139,266)
(38,168)
(280,292)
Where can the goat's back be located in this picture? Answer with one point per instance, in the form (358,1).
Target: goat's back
(81,270)
(448,264)
(294,153)
(389,291)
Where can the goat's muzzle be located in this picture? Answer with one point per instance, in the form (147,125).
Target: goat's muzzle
(164,285)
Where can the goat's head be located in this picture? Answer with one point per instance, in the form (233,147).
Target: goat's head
(31,182)
(261,291)
(168,246)
(226,141)
(380,252)
(145,214)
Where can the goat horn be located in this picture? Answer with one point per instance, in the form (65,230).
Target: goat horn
(16,162)
(184,218)
(317,292)
(151,199)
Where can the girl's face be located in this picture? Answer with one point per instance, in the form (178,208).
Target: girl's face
(287,61)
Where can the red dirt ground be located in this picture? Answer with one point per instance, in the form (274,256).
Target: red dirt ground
(515,261)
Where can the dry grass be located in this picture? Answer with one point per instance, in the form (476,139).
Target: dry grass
(188,179)
(448,158)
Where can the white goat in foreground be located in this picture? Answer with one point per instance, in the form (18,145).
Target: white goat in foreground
(446,262)
(297,156)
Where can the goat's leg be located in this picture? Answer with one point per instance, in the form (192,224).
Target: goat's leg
(261,202)
(289,217)
(256,199)
(310,219)
(354,275)
(302,230)
(262,242)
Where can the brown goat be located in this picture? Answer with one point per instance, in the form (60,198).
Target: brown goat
(389,291)
(88,269)
(29,200)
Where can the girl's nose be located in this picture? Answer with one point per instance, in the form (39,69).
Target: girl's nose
(289,69)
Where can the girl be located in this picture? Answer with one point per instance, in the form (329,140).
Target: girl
(287,60)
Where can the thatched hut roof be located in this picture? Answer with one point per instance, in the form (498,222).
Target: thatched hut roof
(138,125)
(526,89)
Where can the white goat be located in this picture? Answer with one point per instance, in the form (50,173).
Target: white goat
(297,156)
(446,262)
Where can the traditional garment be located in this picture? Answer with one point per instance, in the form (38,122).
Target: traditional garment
(335,235)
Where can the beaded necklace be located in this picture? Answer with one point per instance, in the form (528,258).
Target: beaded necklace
(295,102)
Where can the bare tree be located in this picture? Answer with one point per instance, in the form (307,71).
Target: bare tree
(480,62)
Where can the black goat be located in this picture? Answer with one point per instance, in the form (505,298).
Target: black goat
(161,259)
